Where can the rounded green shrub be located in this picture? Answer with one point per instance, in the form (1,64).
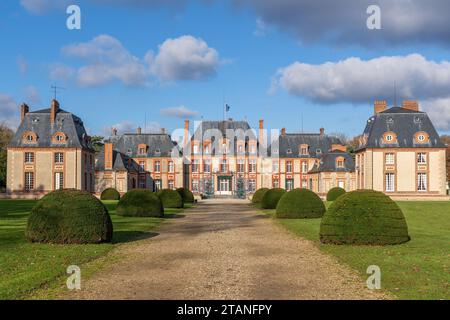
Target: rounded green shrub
(186,194)
(271,198)
(69,216)
(259,194)
(170,198)
(335,193)
(364,217)
(110,194)
(300,203)
(140,203)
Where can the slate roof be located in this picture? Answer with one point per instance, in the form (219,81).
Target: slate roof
(328,163)
(405,124)
(238,130)
(288,145)
(159,144)
(39,123)
(120,162)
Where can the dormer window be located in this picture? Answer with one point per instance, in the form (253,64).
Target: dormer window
(390,137)
(59,137)
(421,137)
(289,151)
(29,137)
(340,162)
(304,149)
(142,149)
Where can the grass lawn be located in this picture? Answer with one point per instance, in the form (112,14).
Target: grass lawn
(26,267)
(419,269)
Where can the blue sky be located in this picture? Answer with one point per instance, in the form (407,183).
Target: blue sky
(164,61)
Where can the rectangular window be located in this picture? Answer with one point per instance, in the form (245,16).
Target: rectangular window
(29,181)
(194,166)
(421,182)
(207,166)
(157,166)
(390,182)
(304,167)
(195,185)
(141,166)
(252,166)
(158,185)
(275,183)
(421,158)
(289,166)
(29,157)
(223,166)
(206,149)
(389,158)
(241,149)
(195,149)
(171,184)
(170,167)
(303,151)
(252,149)
(275,167)
(240,166)
(289,184)
(142,183)
(251,185)
(59,157)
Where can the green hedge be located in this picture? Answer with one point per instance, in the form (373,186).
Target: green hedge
(69,216)
(259,194)
(364,217)
(300,203)
(170,198)
(110,194)
(271,198)
(140,203)
(186,194)
(335,193)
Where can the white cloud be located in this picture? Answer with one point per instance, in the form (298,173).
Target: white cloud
(439,112)
(32,95)
(131,127)
(358,81)
(179,112)
(40,7)
(185,58)
(8,110)
(107,61)
(261,28)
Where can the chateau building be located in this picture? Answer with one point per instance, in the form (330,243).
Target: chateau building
(50,150)
(400,153)
(139,160)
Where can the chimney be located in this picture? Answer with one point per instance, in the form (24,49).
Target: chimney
(114,131)
(186,133)
(322,131)
(410,105)
(261,132)
(108,156)
(139,130)
(53,110)
(24,109)
(338,147)
(283,132)
(379,106)
(163,130)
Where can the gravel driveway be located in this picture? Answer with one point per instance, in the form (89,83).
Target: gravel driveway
(224,249)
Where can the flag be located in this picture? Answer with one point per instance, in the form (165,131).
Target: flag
(227,107)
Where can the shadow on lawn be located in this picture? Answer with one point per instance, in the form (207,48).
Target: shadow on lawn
(130,236)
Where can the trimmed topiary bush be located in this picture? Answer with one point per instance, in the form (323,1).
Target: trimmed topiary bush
(69,216)
(110,194)
(271,198)
(186,194)
(259,194)
(300,203)
(170,198)
(364,217)
(140,203)
(335,193)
